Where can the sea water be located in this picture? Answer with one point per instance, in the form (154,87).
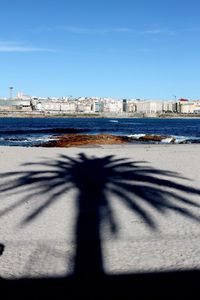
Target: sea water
(34,131)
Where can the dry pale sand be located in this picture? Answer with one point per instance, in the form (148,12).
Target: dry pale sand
(45,246)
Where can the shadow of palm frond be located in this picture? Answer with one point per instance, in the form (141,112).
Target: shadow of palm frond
(136,185)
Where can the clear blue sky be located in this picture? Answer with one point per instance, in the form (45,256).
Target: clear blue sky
(114,48)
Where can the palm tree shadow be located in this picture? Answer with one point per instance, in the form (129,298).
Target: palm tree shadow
(134,184)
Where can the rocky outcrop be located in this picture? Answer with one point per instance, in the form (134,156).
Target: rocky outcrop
(155,138)
(69,140)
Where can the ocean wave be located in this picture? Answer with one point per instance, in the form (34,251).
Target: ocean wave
(140,138)
(25,140)
(164,139)
(168,140)
(137,136)
(186,140)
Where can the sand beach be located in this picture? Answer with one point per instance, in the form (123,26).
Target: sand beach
(150,216)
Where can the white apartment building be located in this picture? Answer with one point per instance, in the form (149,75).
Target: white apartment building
(47,106)
(84,107)
(69,106)
(115,106)
(169,106)
(149,107)
(189,107)
(63,106)
(50,105)
(131,106)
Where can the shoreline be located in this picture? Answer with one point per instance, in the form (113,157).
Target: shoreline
(100,116)
(74,138)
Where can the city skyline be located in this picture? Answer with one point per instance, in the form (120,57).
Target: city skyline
(120,49)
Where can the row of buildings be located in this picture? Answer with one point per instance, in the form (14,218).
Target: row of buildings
(105,106)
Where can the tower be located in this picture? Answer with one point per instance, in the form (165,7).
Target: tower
(11,91)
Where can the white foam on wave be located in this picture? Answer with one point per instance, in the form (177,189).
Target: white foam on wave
(168,140)
(40,139)
(114,121)
(180,139)
(136,136)
(26,140)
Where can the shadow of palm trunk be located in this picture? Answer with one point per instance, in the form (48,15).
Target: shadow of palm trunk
(88,258)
